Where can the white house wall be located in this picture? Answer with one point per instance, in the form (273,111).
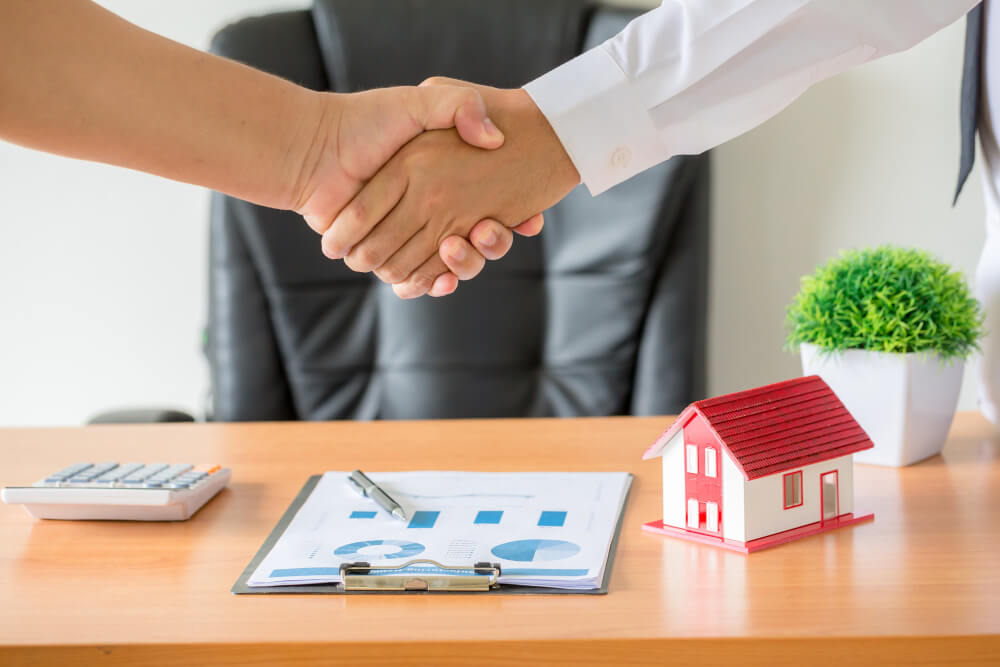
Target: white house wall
(765,513)
(733,506)
(673,481)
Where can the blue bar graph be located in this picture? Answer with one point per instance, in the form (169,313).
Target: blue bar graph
(488,516)
(305,571)
(423,519)
(552,519)
(358,514)
(549,572)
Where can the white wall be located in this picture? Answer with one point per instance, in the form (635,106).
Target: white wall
(103,270)
(764,498)
(734,514)
(674,498)
(865,158)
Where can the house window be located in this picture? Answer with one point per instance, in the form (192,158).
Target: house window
(692,459)
(793,489)
(712,517)
(694,516)
(710,462)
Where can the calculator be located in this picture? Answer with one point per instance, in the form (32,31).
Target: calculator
(121,491)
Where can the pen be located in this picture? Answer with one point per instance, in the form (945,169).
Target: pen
(368,488)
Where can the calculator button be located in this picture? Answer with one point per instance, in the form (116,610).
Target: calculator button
(92,472)
(64,474)
(119,472)
(142,474)
(171,472)
(130,475)
(99,470)
(68,471)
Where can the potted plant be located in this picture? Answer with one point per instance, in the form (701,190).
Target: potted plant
(889,329)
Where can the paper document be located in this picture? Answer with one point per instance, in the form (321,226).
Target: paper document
(545,529)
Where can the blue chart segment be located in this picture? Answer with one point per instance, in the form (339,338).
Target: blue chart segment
(359,514)
(552,519)
(380,549)
(423,519)
(488,516)
(526,551)
(305,572)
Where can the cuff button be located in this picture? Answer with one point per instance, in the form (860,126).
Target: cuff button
(620,157)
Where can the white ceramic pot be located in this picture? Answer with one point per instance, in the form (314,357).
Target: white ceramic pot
(905,402)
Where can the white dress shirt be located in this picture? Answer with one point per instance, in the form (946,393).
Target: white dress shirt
(691,74)
(988,271)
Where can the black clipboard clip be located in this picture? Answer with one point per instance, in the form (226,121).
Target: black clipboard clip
(362,576)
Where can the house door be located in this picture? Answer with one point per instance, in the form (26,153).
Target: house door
(703,487)
(829,486)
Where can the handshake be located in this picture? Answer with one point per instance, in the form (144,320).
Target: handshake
(420,186)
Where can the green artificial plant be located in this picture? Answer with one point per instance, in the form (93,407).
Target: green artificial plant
(886,299)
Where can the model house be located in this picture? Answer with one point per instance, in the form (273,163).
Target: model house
(761,467)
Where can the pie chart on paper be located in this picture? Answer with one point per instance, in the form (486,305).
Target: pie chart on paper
(527,551)
(380,549)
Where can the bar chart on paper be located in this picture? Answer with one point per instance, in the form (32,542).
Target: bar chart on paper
(545,529)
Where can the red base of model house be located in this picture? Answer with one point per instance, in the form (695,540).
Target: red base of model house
(763,542)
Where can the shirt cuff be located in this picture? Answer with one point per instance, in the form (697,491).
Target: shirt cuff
(598,117)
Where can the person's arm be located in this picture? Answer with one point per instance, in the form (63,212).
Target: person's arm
(692,74)
(80,81)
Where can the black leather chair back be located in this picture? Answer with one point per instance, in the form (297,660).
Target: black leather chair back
(602,314)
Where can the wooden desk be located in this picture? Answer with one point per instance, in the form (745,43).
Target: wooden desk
(921,583)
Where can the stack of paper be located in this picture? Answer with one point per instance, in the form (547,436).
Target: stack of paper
(545,529)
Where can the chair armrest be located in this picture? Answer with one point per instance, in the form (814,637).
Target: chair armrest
(140,416)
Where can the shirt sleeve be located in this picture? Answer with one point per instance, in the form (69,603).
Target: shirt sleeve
(692,74)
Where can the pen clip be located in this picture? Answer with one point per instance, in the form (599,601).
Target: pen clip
(357,486)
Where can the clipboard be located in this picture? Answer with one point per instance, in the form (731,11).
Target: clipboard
(480,571)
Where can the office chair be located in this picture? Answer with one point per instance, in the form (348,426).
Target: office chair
(602,314)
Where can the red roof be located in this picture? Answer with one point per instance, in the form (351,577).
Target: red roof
(780,426)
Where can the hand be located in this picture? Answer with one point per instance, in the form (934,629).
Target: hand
(356,134)
(437,186)
(465,258)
